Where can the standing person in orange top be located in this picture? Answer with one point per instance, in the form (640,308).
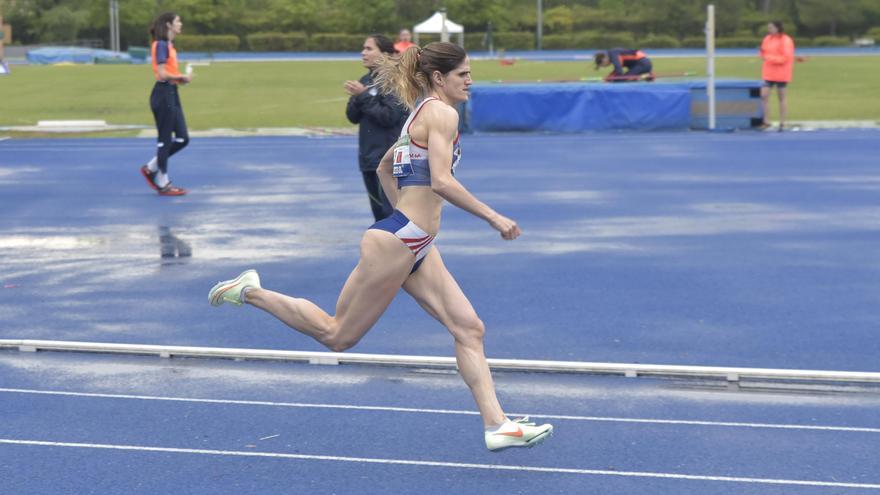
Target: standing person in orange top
(404,40)
(777,50)
(165,103)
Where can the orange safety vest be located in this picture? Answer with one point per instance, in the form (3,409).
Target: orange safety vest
(170,64)
(777,50)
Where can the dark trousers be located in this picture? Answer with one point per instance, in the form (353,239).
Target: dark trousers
(170,124)
(378,202)
(634,73)
(642,66)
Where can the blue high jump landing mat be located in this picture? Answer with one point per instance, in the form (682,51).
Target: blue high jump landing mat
(577,107)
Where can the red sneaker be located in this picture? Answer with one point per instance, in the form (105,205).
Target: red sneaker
(172,190)
(149,176)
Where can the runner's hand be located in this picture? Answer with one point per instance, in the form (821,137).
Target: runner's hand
(508,228)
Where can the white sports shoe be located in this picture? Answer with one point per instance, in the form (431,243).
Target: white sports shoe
(517,433)
(230,290)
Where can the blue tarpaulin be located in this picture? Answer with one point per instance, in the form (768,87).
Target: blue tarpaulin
(73,55)
(574,107)
(577,107)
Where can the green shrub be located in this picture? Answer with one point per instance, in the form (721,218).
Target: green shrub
(616,40)
(473,42)
(693,42)
(659,41)
(831,41)
(557,42)
(874,32)
(425,38)
(738,42)
(207,42)
(337,42)
(515,40)
(277,42)
(586,40)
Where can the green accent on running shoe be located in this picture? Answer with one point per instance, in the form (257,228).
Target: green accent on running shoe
(229,291)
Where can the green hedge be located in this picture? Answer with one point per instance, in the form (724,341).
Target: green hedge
(616,40)
(659,41)
(336,42)
(278,42)
(595,40)
(514,40)
(831,41)
(738,42)
(424,39)
(557,42)
(473,42)
(207,42)
(874,32)
(693,42)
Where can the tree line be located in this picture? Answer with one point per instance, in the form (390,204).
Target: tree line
(668,22)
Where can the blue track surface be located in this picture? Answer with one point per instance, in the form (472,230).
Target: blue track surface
(740,249)
(743,249)
(144,425)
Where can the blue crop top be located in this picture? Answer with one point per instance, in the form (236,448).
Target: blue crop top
(411,159)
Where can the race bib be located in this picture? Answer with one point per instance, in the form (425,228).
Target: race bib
(402,163)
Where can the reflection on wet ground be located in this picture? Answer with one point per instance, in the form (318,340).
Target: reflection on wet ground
(171,247)
(743,249)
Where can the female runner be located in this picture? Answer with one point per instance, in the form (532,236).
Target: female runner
(417,176)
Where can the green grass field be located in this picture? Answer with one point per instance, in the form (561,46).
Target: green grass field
(310,94)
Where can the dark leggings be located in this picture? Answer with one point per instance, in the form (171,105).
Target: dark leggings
(378,202)
(170,124)
(642,66)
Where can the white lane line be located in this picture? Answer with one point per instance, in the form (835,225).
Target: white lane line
(454,465)
(851,429)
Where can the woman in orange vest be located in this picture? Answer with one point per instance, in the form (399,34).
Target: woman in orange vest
(777,50)
(165,103)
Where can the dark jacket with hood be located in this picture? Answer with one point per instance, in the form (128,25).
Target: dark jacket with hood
(380,118)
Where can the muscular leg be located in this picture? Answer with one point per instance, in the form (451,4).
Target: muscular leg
(783,106)
(434,288)
(765,103)
(384,265)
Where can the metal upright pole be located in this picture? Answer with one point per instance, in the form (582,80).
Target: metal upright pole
(2,36)
(444,31)
(539,32)
(114,25)
(116,9)
(710,63)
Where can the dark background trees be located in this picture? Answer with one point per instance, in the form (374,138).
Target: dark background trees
(663,21)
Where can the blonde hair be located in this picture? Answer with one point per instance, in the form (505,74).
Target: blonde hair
(409,76)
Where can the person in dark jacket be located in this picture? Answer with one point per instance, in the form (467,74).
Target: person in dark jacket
(629,65)
(380,117)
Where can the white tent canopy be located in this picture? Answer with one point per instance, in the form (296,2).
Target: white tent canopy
(434,25)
